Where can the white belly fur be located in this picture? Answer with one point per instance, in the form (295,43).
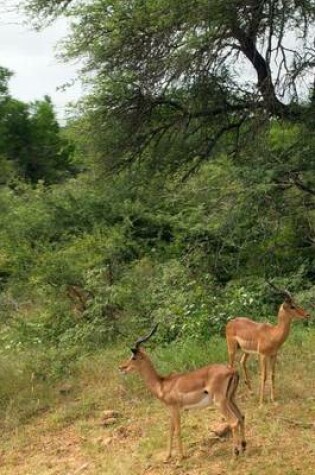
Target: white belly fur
(204,402)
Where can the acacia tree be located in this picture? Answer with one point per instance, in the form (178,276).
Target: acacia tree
(189,73)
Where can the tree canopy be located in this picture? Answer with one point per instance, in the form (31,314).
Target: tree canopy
(196,71)
(31,142)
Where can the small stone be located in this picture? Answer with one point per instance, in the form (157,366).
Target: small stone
(107,441)
(108,421)
(109,414)
(82,468)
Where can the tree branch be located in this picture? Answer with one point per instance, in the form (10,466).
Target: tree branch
(211,144)
(302,186)
(264,83)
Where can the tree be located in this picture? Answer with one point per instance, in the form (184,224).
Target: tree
(177,83)
(50,154)
(5,75)
(31,141)
(14,128)
(194,71)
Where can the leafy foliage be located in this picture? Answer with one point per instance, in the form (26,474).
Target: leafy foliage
(31,143)
(136,223)
(168,77)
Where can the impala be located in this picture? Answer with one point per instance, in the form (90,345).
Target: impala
(214,384)
(262,339)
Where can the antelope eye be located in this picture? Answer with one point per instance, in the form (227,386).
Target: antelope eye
(292,306)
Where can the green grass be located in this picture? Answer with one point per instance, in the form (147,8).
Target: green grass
(47,432)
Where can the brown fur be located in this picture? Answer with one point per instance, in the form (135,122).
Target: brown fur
(213,384)
(263,339)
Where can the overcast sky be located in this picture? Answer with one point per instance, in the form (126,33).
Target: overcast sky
(31,56)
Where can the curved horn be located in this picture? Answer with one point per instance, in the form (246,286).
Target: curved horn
(145,338)
(284,292)
(287,295)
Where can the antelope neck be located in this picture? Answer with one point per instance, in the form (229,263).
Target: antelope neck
(151,378)
(282,328)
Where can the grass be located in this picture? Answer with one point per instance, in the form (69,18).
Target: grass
(47,431)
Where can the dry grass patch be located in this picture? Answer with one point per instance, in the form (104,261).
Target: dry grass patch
(71,439)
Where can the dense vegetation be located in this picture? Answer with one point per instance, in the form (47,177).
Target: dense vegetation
(178,189)
(31,143)
(183,184)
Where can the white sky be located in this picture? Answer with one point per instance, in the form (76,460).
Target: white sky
(31,56)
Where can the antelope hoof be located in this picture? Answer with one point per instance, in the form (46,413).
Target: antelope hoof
(243,445)
(236,452)
(168,458)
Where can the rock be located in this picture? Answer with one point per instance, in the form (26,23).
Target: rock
(109,417)
(108,421)
(109,414)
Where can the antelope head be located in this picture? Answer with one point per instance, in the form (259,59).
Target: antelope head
(138,357)
(289,305)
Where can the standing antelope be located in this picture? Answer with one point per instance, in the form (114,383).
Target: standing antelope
(213,384)
(262,339)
